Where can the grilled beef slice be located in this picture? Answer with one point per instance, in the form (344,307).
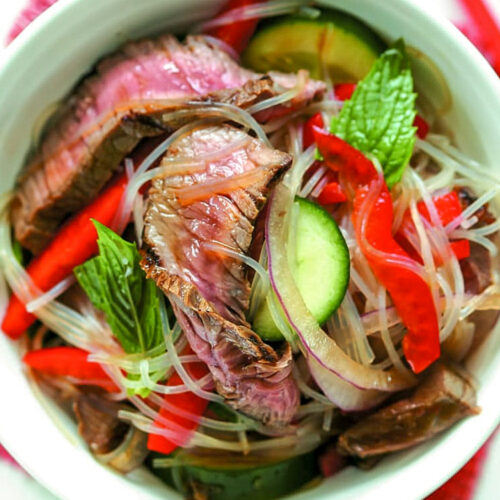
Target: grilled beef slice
(111,111)
(98,421)
(477,268)
(96,415)
(208,288)
(443,398)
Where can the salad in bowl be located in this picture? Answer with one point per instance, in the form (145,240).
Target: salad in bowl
(249,255)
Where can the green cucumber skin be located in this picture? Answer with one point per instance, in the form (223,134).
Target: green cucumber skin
(329,284)
(264,325)
(274,35)
(260,483)
(342,20)
(342,258)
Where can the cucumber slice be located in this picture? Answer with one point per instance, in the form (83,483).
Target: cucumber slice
(320,267)
(247,483)
(334,42)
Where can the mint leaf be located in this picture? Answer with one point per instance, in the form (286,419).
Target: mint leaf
(117,286)
(378,119)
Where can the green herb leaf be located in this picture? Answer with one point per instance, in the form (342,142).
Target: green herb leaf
(116,285)
(17,249)
(378,119)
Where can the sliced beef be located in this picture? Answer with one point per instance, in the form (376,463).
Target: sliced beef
(111,111)
(443,398)
(467,198)
(98,421)
(477,268)
(178,230)
(104,432)
(208,288)
(250,374)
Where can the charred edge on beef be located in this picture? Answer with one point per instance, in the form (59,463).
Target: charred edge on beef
(82,149)
(209,293)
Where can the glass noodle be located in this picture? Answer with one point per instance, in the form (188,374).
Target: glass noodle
(354,360)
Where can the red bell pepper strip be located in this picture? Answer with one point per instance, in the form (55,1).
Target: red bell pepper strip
(447,205)
(308,133)
(422,127)
(461,249)
(448,208)
(338,155)
(332,193)
(410,293)
(186,401)
(75,243)
(69,362)
(344,91)
(237,34)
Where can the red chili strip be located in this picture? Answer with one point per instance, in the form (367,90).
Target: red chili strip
(186,401)
(75,243)
(71,362)
(332,193)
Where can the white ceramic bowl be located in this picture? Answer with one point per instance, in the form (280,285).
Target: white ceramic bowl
(46,61)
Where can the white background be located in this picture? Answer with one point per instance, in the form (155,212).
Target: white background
(14,485)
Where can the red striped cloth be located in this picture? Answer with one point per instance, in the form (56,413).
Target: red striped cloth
(462,486)
(5,456)
(28,14)
(486,34)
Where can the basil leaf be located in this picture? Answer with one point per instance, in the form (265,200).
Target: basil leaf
(17,250)
(378,119)
(117,286)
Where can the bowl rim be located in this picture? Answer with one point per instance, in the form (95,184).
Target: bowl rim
(49,20)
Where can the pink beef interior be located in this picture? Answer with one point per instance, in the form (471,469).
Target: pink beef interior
(178,233)
(208,288)
(107,116)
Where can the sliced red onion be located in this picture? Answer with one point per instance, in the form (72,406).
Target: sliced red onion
(342,393)
(317,343)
